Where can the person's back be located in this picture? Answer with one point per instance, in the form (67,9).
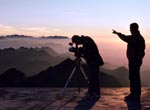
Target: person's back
(91,52)
(136,47)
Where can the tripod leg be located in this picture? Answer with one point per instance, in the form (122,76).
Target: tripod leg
(84,74)
(74,69)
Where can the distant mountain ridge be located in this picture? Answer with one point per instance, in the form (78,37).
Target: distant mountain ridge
(121,73)
(35,62)
(25,36)
(15,36)
(55,37)
(28,60)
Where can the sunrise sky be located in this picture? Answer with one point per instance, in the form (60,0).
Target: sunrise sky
(95,18)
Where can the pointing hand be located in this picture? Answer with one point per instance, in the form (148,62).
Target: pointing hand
(114,32)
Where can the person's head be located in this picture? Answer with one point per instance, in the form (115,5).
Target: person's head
(134,28)
(76,39)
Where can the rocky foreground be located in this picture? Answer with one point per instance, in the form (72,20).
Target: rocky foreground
(49,99)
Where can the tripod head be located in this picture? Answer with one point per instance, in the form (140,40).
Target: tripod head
(74,47)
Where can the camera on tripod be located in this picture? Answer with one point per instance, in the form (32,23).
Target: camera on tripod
(72,48)
(75,49)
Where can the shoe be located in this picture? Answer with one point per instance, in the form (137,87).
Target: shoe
(132,97)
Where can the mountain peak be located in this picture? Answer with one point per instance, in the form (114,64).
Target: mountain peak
(121,68)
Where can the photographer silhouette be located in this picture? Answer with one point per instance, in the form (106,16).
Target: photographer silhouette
(90,53)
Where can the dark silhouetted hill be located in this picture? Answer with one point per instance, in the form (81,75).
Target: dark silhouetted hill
(121,74)
(55,77)
(58,75)
(12,78)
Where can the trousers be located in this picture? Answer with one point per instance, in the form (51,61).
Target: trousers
(134,77)
(94,79)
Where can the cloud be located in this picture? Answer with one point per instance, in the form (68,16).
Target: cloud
(6,29)
(40,31)
(33,31)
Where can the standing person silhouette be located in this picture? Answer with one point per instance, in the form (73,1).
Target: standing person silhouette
(90,53)
(135,54)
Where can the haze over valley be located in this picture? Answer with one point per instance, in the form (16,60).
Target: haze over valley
(33,55)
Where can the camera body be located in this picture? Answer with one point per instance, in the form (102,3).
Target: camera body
(75,49)
(72,48)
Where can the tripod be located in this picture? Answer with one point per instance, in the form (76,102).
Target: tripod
(77,66)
